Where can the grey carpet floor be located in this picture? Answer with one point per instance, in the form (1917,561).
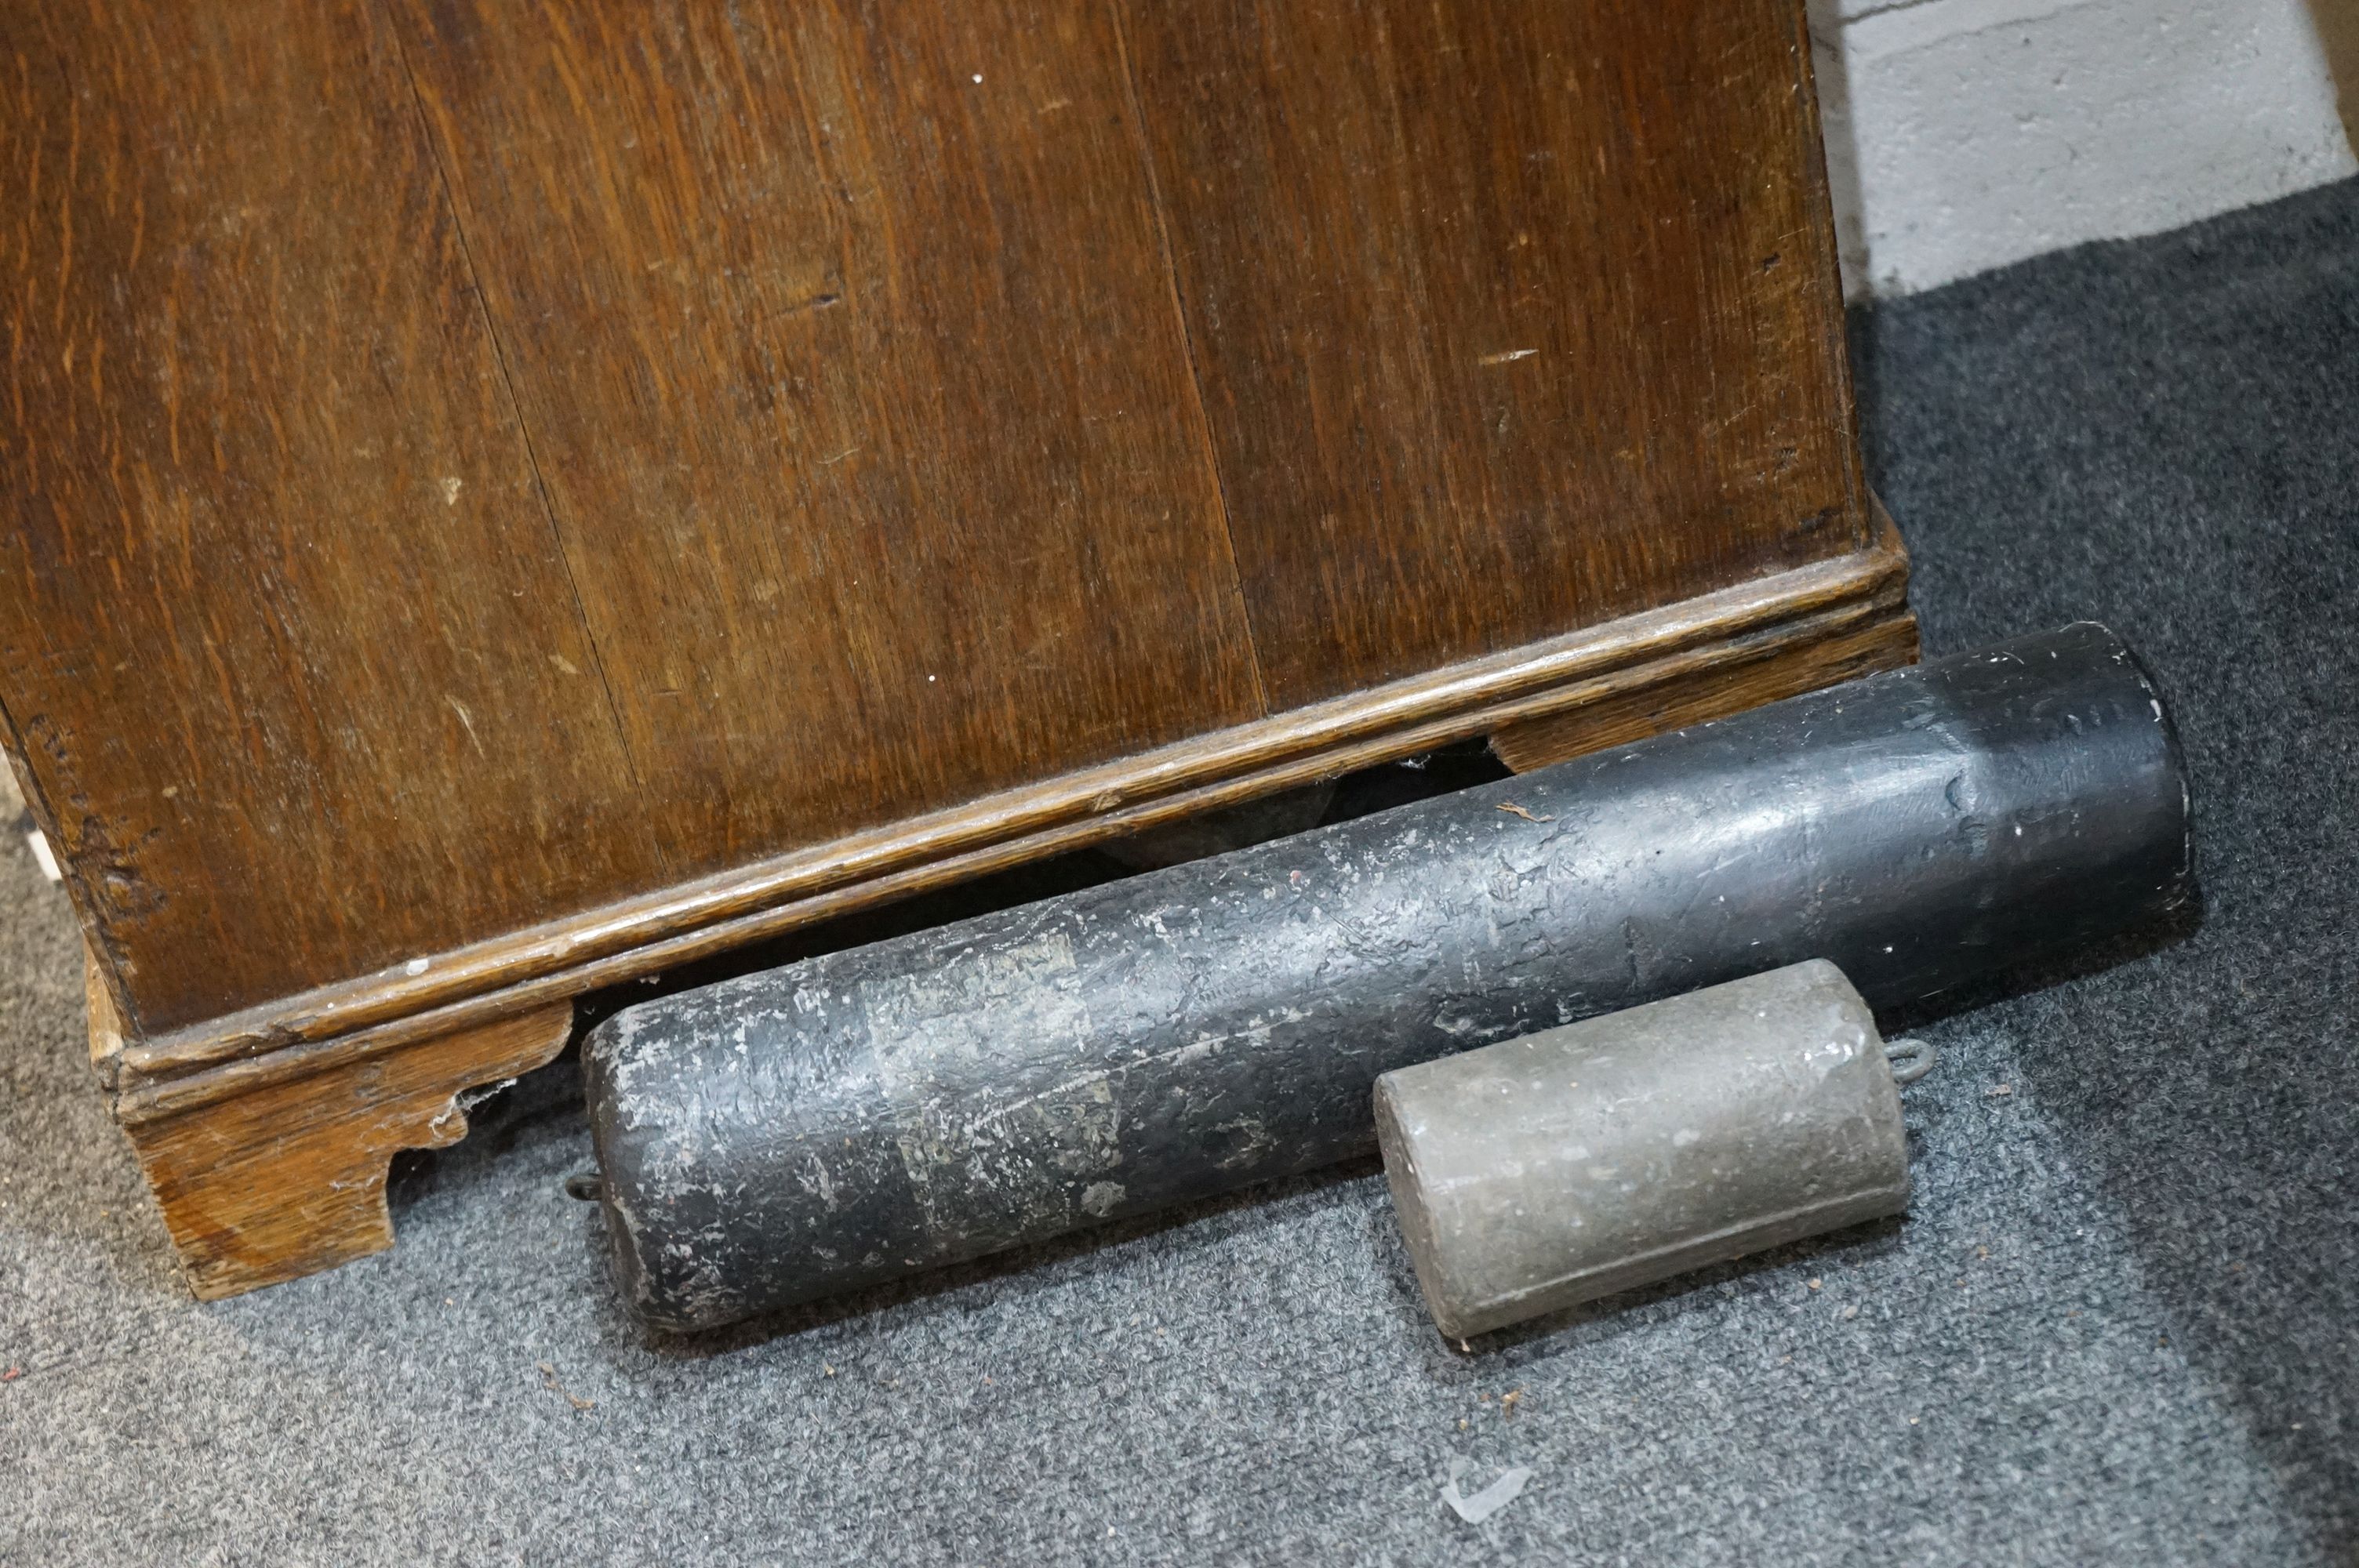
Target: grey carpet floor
(2120,1324)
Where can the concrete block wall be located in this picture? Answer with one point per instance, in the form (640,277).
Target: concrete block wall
(1963,134)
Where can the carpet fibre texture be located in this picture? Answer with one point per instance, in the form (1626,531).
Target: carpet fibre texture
(2119,1323)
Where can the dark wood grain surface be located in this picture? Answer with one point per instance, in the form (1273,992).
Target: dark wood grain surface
(849,350)
(283,631)
(1509,319)
(502,489)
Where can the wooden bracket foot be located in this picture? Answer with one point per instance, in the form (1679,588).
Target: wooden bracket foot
(288,1179)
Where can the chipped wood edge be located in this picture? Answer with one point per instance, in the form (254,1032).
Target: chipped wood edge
(105,1024)
(289,1179)
(327,1028)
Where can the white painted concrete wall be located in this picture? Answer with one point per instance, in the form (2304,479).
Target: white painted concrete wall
(1962,135)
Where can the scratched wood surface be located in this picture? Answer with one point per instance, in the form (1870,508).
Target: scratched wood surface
(1509,319)
(281,614)
(847,344)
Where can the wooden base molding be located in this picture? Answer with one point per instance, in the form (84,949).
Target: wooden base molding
(1776,668)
